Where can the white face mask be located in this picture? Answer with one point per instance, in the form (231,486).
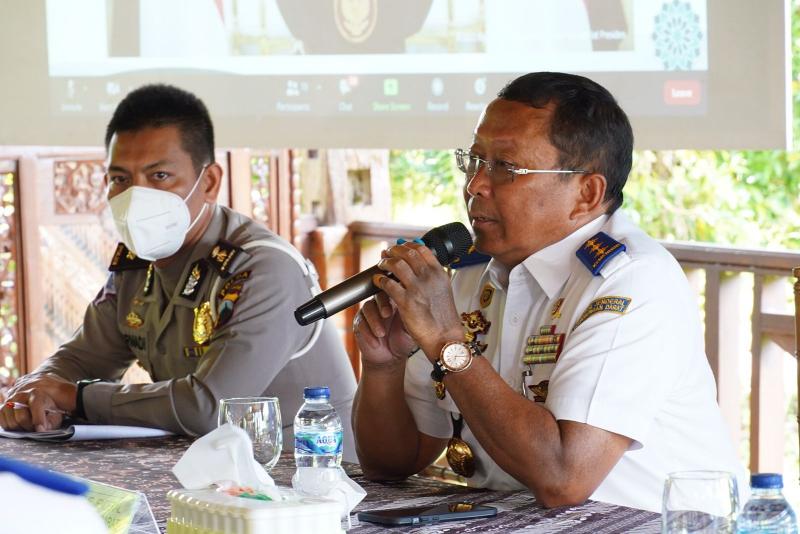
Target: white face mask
(152,223)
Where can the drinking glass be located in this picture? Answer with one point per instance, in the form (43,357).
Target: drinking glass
(260,417)
(699,502)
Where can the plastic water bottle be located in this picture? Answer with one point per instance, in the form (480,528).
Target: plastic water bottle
(767,511)
(317,431)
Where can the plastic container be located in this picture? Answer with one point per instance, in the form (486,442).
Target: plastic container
(210,511)
(767,511)
(317,431)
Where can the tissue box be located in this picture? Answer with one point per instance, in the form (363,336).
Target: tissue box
(208,511)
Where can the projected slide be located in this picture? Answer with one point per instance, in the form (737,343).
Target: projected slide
(370,58)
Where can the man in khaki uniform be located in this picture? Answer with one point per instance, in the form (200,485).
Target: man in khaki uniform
(198,295)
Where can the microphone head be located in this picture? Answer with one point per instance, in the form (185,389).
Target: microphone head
(449,241)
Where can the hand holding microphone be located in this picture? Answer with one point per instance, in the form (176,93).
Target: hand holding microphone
(447,242)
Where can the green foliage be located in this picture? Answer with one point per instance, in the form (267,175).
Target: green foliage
(744,198)
(426,187)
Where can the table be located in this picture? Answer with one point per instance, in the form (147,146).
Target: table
(145,465)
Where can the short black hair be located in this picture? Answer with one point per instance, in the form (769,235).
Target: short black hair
(588,128)
(158,105)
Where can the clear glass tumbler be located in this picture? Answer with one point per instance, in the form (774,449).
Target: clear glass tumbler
(699,502)
(260,417)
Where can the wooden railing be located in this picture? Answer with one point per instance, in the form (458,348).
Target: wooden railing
(744,293)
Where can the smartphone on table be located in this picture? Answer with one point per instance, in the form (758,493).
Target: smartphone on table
(431,513)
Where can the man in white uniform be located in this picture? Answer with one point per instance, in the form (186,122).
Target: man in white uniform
(570,360)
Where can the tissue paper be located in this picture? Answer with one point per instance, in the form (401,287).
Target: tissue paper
(330,483)
(223,457)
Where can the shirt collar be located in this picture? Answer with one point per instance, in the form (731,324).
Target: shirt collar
(552,265)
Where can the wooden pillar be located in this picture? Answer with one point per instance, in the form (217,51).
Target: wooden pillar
(766,387)
(796,273)
(238,182)
(726,331)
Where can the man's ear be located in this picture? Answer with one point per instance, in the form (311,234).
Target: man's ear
(213,181)
(591,195)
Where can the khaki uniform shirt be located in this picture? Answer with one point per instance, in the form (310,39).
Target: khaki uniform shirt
(161,319)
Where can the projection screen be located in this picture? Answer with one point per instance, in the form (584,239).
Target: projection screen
(394,74)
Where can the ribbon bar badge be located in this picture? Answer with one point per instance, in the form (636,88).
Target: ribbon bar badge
(545,347)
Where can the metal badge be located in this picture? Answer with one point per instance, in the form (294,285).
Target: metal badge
(475,324)
(203,324)
(439,389)
(148,280)
(133,320)
(486,295)
(540,391)
(459,454)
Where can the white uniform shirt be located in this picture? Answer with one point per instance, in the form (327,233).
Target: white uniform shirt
(642,373)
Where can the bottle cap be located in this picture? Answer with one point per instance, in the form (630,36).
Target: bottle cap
(766,481)
(317,392)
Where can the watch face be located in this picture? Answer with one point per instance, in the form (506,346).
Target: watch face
(456,356)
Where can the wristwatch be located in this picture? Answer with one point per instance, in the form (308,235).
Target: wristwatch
(80,411)
(455,357)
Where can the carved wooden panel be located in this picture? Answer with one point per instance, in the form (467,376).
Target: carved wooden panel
(10,312)
(260,174)
(78,187)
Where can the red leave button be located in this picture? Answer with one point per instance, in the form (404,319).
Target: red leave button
(682,92)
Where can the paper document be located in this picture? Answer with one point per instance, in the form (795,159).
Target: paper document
(87,432)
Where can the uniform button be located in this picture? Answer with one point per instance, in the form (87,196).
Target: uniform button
(515,319)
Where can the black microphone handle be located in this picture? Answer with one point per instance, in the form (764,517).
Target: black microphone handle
(447,242)
(343,295)
(356,288)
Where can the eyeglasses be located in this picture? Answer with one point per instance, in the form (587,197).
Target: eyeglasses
(499,172)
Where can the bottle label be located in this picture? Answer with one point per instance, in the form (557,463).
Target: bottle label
(318,442)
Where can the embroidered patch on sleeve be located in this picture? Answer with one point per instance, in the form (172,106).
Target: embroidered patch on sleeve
(229,294)
(613,304)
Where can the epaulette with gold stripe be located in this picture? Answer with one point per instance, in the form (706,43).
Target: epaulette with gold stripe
(226,258)
(472,257)
(125,260)
(598,250)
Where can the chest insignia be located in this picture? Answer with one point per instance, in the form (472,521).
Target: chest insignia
(598,250)
(539,391)
(544,347)
(133,320)
(475,324)
(486,295)
(555,311)
(613,304)
(228,296)
(194,279)
(148,280)
(203,326)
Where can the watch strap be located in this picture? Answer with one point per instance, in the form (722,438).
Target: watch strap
(80,410)
(437,375)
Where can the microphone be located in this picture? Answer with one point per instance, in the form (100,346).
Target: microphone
(448,242)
